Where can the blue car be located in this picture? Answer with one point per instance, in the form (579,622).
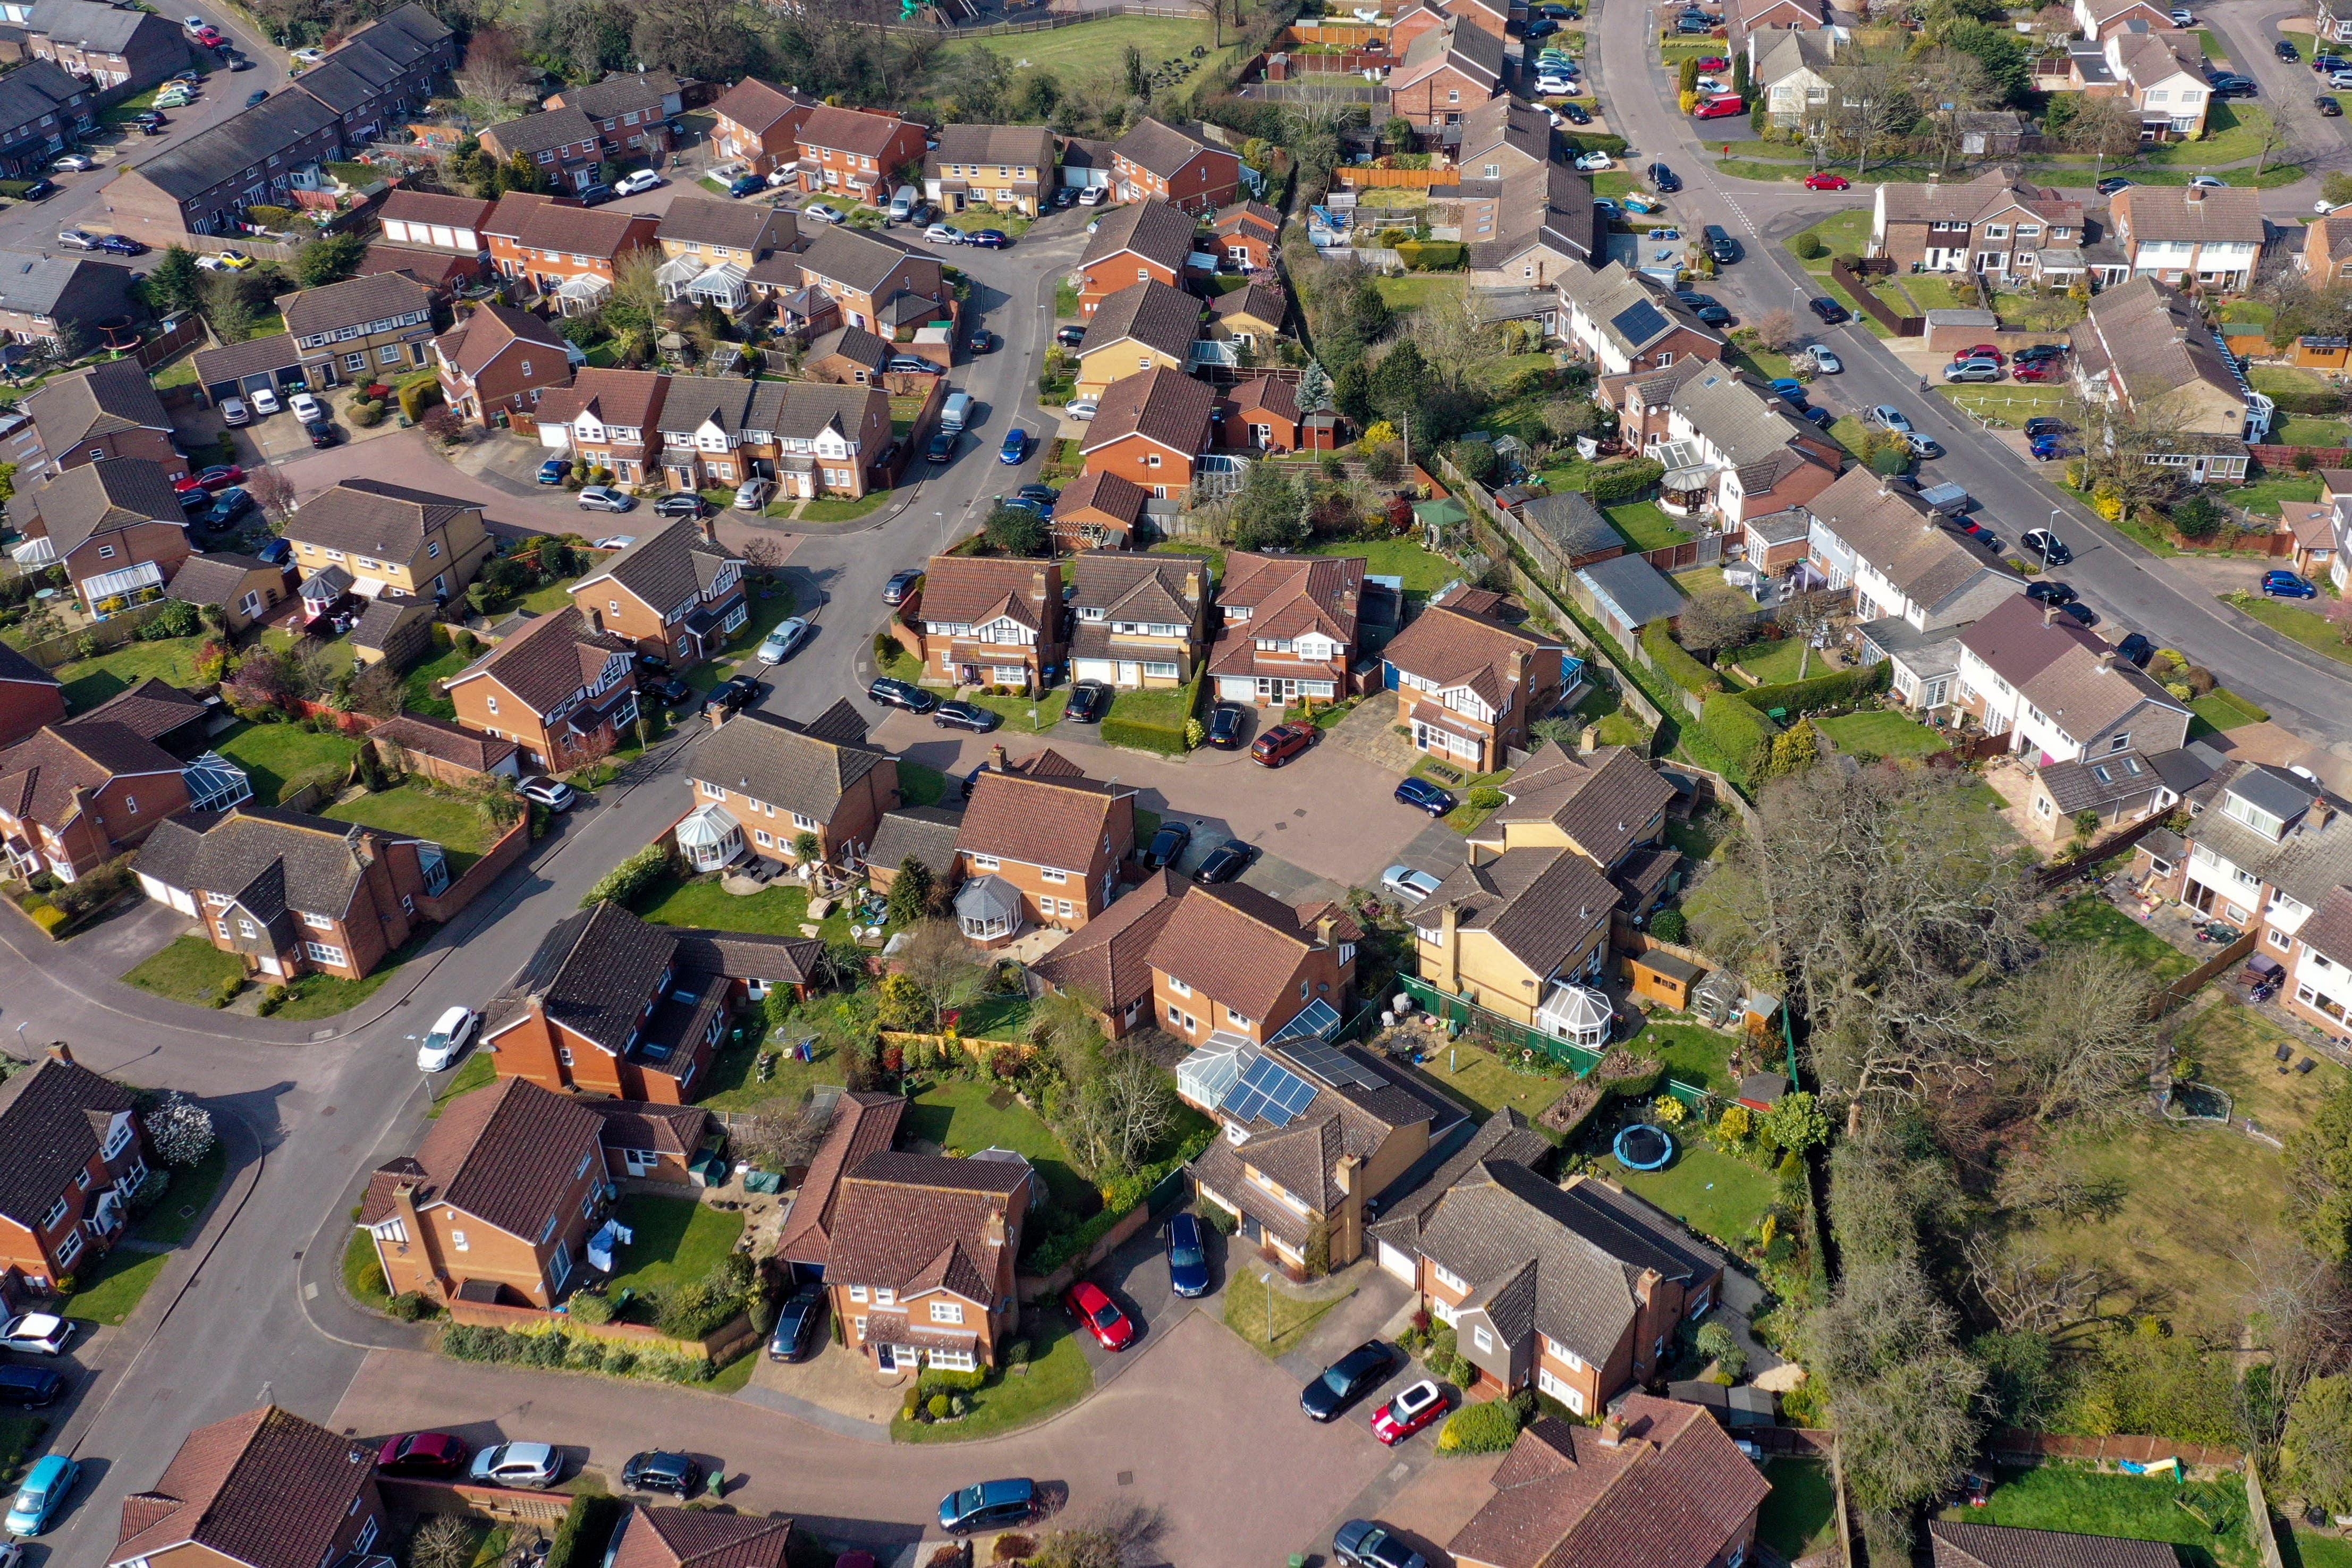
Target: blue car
(745,184)
(1188,1258)
(43,1493)
(988,239)
(1016,445)
(1420,794)
(2288,585)
(277,552)
(2046,448)
(551,472)
(990,1505)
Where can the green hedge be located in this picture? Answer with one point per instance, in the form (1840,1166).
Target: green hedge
(1676,662)
(586,1531)
(1485,1428)
(1625,481)
(1052,1249)
(1433,255)
(1167,742)
(1742,731)
(1818,692)
(1594,142)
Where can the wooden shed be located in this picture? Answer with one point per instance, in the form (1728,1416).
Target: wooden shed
(1663,977)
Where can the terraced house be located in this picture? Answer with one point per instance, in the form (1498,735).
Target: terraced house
(1007,167)
(555,687)
(72,1153)
(675,593)
(562,251)
(392,540)
(855,152)
(43,111)
(630,110)
(812,439)
(609,420)
(361,330)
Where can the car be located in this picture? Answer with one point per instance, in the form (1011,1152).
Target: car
(1413,1408)
(1099,1316)
(2047,545)
(1886,416)
(322,434)
(1688,26)
(1081,409)
(2283,584)
(1824,361)
(1034,492)
(2080,613)
(1167,846)
(744,184)
(149,117)
(1070,336)
(1345,1381)
(1280,744)
(1593,162)
(235,413)
(553,793)
(732,695)
(667,690)
(448,1037)
(2327,60)
(1542,28)
(219,477)
(227,507)
(899,694)
(2230,86)
(678,504)
(903,585)
(47,1486)
(2048,593)
(41,189)
(752,494)
(2136,650)
(73,163)
(277,552)
(943,447)
(1577,113)
(1092,196)
(534,1467)
(2035,371)
(595,196)
(1421,795)
(781,642)
(988,239)
(2112,184)
(1720,108)
(1921,447)
(37,1333)
(1973,371)
(1982,351)
(2039,353)
(1188,1255)
(2045,447)
(1818,416)
(982,342)
(552,471)
(1982,535)
(1089,700)
(75,240)
(966,716)
(237,62)
(1403,882)
(1790,388)
(1829,310)
(660,1469)
(1664,180)
(990,1505)
(1226,723)
(1828,182)
(638,184)
(604,499)
(912,365)
(2285,51)
(434,1455)
(2208,183)
(1224,863)
(265,401)
(1554,87)
(1712,314)
(257,97)
(1064,195)
(2046,425)
(307,408)
(1016,448)
(798,1324)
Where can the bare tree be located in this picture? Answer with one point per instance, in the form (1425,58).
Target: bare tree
(2027,1291)
(1954,82)
(2079,1036)
(1778,331)
(1123,1113)
(1718,619)
(763,555)
(494,73)
(2108,125)
(271,491)
(1869,99)
(2299,1309)
(940,964)
(444,1541)
(2269,135)
(1807,617)
(780,1139)
(1450,338)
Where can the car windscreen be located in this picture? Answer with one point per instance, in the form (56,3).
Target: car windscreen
(1186,1257)
(1336,1378)
(1106,1315)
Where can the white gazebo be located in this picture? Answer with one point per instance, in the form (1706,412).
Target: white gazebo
(710,838)
(1577,1014)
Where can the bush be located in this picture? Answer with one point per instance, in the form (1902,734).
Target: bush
(625,882)
(1839,688)
(1739,729)
(937,1407)
(586,1529)
(49,917)
(590,1308)
(1807,246)
(408,1306)
(1675,662)
(1486,798)
(273,998)
(1432,255)
(1668,926)
(178,618)
(419,395)
(1625,480)
(366,413)
(1487,1428)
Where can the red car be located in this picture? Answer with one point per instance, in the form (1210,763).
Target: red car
(1828,182)
(219,478)
(1714,63)
(1720,108)
(1409,1412)
(421,1454)
(1981,351)
(1280,744)
(1100,1314)
(2036,370)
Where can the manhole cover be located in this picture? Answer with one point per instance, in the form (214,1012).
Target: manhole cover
(1300,812)
(1126,1478)
(1282,827)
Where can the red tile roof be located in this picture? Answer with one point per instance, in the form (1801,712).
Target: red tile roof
(266,1489)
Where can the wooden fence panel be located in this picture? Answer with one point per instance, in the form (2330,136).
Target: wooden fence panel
(1365,175)
(1857,285)
(2189,984)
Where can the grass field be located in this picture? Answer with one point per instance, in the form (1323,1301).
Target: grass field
(175,1219)
(1645,525)
(2009,403)
(1472,1074)
(1882,733)
(89,682)
(478,1071)
(1414,290)
(189,969)
(1775,660)
(2092,919)
(1800,1518)
(963,1117)
(411,810)
(419,697)
(1423,571)
(1706,1188)
(1692,1052)
(775,910)
(326,995)
(1095,49)
(281,759)
(111,1293)
(2307,627)
(2136,1508)
(677,1240)
(1251,1311)
(1058,1375)
(827,509)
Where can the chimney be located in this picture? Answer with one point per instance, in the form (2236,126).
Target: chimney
(994,1234)
(1613,1431)
(1518,666)
(2323,811)
(1038,586)
(2107,660)
(2049,615)
(60,1052)
(2194,194)
(1323,928)
(996,756)
(1588,741)
(1192,583)
(1448,978)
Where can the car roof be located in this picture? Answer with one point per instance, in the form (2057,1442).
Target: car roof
(1009,1490)
(531,1453)
(48,1467)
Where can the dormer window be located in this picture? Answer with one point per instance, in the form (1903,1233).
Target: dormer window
(2238,808)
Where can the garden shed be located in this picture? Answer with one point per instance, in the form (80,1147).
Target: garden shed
(1662,977)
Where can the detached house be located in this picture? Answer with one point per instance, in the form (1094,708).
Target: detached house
(878,284)
(1521,934)
(391,539)
(921,1266)
(1109,962)
(1148,241)
(1144,327)
(1289,627)
(857,153)
(1152,428)
(564,143)
(1142,619)
(2059,691)
(1469,686)
(608,419)
(1156,162)
(263,1490)
(1251,316)
(2147,348)
(1792,70)
(107,411)
(1041,844)
(758,124)
(675,593)
(30,697)
(556,686)
(118,529)
(2192,235)
(2164,72)
(1008,167)
(650,1536)
(863,1124)
(1445,73)
(72,1153)
(991,621)
(1992,224)
(497,361)
(1231,960)
(79,793)
(761,783)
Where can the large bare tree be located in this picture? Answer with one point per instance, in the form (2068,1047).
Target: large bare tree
(941,964)
(2078,1035)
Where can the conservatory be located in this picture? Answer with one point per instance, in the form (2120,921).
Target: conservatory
(988,908)
(1577,1014)
(709,838)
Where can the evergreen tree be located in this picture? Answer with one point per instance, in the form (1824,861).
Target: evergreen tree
(1353,392)
(176,283)
(1400,382)
(1368,312)
(330,258)
(1267,512)
(1314,389)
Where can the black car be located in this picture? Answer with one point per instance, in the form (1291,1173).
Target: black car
(1829,310)
(1360,1543)
(121,245)
(1228,722)
(227,507)
(1664,180)
(901,693)
(966,716)
(1721,246)
(1188,1255)
(1822,417)
(2083,614)
(798,1323)
(257,96)
(942,448)
(30,1386)
(40,189)
(2287,50)
(2136,650)
(2325,62)
(1089,700)
(654,661)
(2039,353)
(1712,315)
(1575,114)
(1071,336)
(2230,85)
(2049,593)
(2048,545)
(1044,494)
(731,696)
(2327,105)
(596,195)
(1167,846)
(322,434)
(1345,1381)
(2045,424)
(983,342)
(2112,184)
(680,503)
(667,690)
(659,1470)
(1224,863)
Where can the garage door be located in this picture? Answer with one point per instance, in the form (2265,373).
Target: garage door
(1096,670)
(164,892)
(1396,1261)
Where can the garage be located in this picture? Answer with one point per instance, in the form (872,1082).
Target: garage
(1395,1261)
(240,370)
(165,892)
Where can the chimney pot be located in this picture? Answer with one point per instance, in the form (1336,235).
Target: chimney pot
(2049,615)
(1324,925)
(61,1051)
(996,755)
(2107,660)
(1613,1431)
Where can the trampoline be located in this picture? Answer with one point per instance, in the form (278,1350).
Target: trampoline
(1642,1147)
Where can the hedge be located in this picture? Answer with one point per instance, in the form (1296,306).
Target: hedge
(1675,662)
(1595,142)
(1625,481)
(1052,1249)
(1432,255)
(1818,692)
(1167,742)
(586,1531)
(1742,731)
(623,883)
(1486,1428)
(417,396)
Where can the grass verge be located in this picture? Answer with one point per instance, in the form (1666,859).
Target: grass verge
(1270,1320)
(1057,1376)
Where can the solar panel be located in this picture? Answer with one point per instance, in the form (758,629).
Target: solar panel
(1332,1065)
(1270,1092)
(1316,1021)
(1639,322)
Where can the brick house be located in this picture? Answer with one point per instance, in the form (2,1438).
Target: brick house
(1468,685)
(556,686)
(1143,327)
(1142,619)
(609,1005)
(1156,162)
(1249,234)
(1516,933)
(2327,253)
(118,529)
(1993,224)
(2193,236)
(436,238)
(922,1253)
(1231,960)
(1644,400)
(1008,167)
(2057,689)
(607,419)
(631,110)
(564,143)
(713,247)
(2264,850)
(1289,627)
(2099,19)
(263,1490)
(652,1142)
(2319,963)
(985,621)
(1447,73)
(1041,844)
(110,410)
(863,1124)
(77,794)
(391,538)
(30,697)
(497,361)
(1152,429)
(114,48)
(361,330)
(673,593)
(767,780)
(1109,962)
(758,125)
(857,153)
(1538,227)
(846,356)
(649,1537)
(811,438)
(1261,415)
(2147,348)
(49,297)
(869,277)
(72,1153)
(1148,241)
(497,1201)
(567,253)
(44,110)
(383,74)
(1627,323)
(1098,511)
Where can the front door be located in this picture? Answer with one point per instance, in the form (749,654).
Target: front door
(885,1358)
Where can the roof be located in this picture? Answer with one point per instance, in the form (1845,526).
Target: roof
(1164,406)
(1261,299)
(266,1489)
(861,261)
(593,973)
(1968,1545)
(1237,945)
(16,666)
(1037,817)
(372,517)
(218,576)
(1290,594)
(653,1537)
(601,233)
(1548,206)
(756,105)
(1540,904)
(549,659)
(2063,668)
(1505,1136)
(2095,783)
(403,205)
(1672,1491)
(1011,146)
(1603,802)
(1137,586)
(53,1119)
(1109,959)
(87,24)
(99,400)
(1930,561)
(2311,855)
(152,709)
(1505,122)
(738,226)
(1151,313)
(2151,339)
(780,763)
(621,92)
(1101,491)
(386,613)
(853,343)
(438,738)
(1235,217)
(506,1155)
(919,1222)
(1975,201)
(268,861)
(354,302)
(1468,48)
(542,132)
(630,399)
(1571,521)
(1153,230)
(255,355)
(1449,647)
(40,775)
(98,497)
(70,285)
(850,130)
(925,833)
(1634,586)
(1152,144)
(666,567)
(972,591)
(489,330)
(246,140)
(863,1124)
(2194,213)
(1268,395)
(677,1130)
(2328,931)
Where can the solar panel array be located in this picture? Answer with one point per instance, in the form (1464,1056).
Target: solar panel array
(1270,1092)
(1332,1065)
(1318,1020)
(1639,322)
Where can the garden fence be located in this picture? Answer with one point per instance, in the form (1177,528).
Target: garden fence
(2196,980)
(1048,24)
(2258,1515)
(116,630)
(2014,1447)
(1481,1024)
(1852,281)
(2060,872)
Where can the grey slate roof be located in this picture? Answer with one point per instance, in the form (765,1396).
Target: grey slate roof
(1634,586)
(372,517)
(1571,521)
(254,356)
(1151,313)
(1506,1135)
(52,1118)
(1162,147)
(859,260)
(354,302)
(670,565)
(1153,230)
(777,762)
(72,287)
(594,972)
(621,92)
(35,89)
(104,399)
(112,493)
(2311,858)
(245,142)
(927,833)
(1971,1546)
(544,131)
(1013,146)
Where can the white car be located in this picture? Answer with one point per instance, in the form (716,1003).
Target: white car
(74,162)
(1824,362)
(615,541)
(2210,183)
(265,401)
(234,410)
(752,494)
(637,184)
(194,22)
(309,57)
(450,1033)
(1592,162)
(42,1333)
(818,212)
(1555,86)
(307,409)
(1083,409)
(940,234)
(2322,206)
(1709,84)
(535,1466)
(553,793)
(1403,882)
(1092,196)
(784,173)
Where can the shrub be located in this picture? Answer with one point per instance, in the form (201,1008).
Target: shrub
(938,1406)
(419,395)
(1432,255)
(590,1308)
(151,1191)
(178,618)
(586,1529)
(273,998)
(49,917)
(179,1130)
(1839,688)
(1625,480)
(625,882)
(408,1306)
(1675,662)
(1807,246)
(1486,798)
(1668,926)
(1487,1428)
(366,413)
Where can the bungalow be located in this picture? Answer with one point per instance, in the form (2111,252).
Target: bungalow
(1289,629)
(763,784)
(1469,685)
(1152,428)
(72,1154)
(1142,620)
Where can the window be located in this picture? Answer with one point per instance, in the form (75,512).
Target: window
(947,1311)
(316,921)
(56,1212)
(325,953)
(132,802)
(1236,1019)
(1481,1337)
(106,552)
(2279,939)
(857,1292)
(458,1241)
(433,547)
(388,354)
(493,702)
(885,1296)
(1047,873)
(69,1246)
(1448,1278)
(1178,986)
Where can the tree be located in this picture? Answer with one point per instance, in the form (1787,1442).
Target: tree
(1268,512)
(378,690)
(1566,418)
(1795,1123)
(1123,1113)
(2319,1178)
(1400,382)
(780,1139)
(2271,133)
(2078,1036)
(708,39)
(1398,133)
(1778,331)
(1138,79)
(179,1130)
(263,679)
(1794,749)
(330,258)
(1870,101)
(271,491)
(494,73)
(1718,619)
(232,317)
(519,173)
(444,1541)
(177,283)
(941,964)
(1314,389)
(1016,530)
(910,892)
(1809,617)
(2317,1448)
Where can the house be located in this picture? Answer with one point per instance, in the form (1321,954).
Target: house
(567,253)
(1142,620)
(393,630)
(1310,1134)
(497,362)
(263,1490)
(1445,73)
(1098,510)
(990,622)
(811,438)
(436,238)
(1041,844)
(1007,167)
(116,49)
(1791,68)
(1627,593)
(1545,228)
(1249,234)
(758,124)
(1261,415)
(1229,961)
(1904,562)
(2192,235)
(1519,934)
(2059,691)
(1746,18)
(30,697)
(1251,315)
(558,687)
(717,250)
(2165,73)
(382,75)
(856,153)
(649,1537)
(1468,685)
(1143,327)
(1733,450)
(1156,162)
(153,709)
(2100,19)
(1109,962)
(1955,1545)
(44,110)
(107,411)
(1501,137)
(1148,241)
(60,300)
(2265,849)
(2327,253)
(71,1154)
(392,540)
(630,110)
(77,794)
(565,144)
(1630,324)
(244,588)
(1994,223)
(863,1124)
(1289,628)
(118,529)
(1608,805)
(925,833)
(2320,963)
(1658,1481)
(675,593)
(608,418)
(923,1247)
(876,282)
(1152,428)
(846,356)
(767,782)
(2144,348)
(291,894)
(498,1202)
(609,1005)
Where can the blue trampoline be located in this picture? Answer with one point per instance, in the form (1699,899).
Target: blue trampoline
(1642,1147)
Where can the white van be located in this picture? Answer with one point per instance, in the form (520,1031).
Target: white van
(902,204)
(955,411)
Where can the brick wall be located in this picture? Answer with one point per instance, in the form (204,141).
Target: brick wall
(511,847)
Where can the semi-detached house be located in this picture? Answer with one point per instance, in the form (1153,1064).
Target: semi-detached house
(714,250)
(1627,322)
(758,124)
(812,439)
(72,1153)
(415,544)
(113,46)
(567,253)
(676,593)
(1545,228)
(632,109)
(118,529)
(2192,235)
(875,282)
(1993,224)
(1147,242)
(1732,451)
(110,410)
(760,784)
(1447,73)
(361,330)
(563,143)
(1008,167)
(43,111)
(2147,348)
(608,418)
(1041,844)
(2059,691)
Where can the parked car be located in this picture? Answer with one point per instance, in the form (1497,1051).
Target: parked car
(1553,87)
(76,239)
(824,213)
(2327,105)
(2044,448)
(1577,113)
(990,1505)
(1360,1543)
(1280,744)
(1829,310)
(595,196)
(604,499)
(942,234)
(1826,182)
(1167,846)
(637,184)
(1712,314)
(29,1387)
(2284,584)
(307,408)
(553,793)
(799,1322)
(322,434)
(2329,60)
(988,239)
(551,472)
(942,448)
(658,1469)
(2080,612)
(1593,162)
(234,412)
(2212,182)
(1825,362)
(782,642)
(1081,409)
(1720,108)
(2112,184)
(43,1496)
(1789,388)
(1924,448)
(1070,336)
(2284,49)
(1424,796)
(744,184)
(1188,1255)
(37,1333)
(1016,448)
(1345,1381)
(1224,863)
(219,477)
(1973,371)
(617,542)
(41,189)
(446,1038)
(76,162)
(2136,650)
(966,716)
(2035,371)
(1886,416)
(534,1467)
(228,508)
(1089,700)
(2045,592)
(2047,545)
(1088,1302)
(680,504)
(435,1455)
(904,694)
(1413,1407)
(265,402)
(1226,723)
(2230,85)
(912,365)
(732,695)
(2046,425)
(667,691)
(752,494)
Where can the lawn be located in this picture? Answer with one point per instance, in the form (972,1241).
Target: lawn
(1414,290)
(1800,1516)
(2300,431)
(735,1082)
(1252,1307)
(2310,630)
(1471,1074)
(828,509)
(190,969)
(89,682)
(419,697)
(1162,707)
(326,995)
(1881,733)
(548,596)
(1423,571)
(1847,232)
(1774,661)
(776,910)
(1003,1017)
(2077,1498)
(413,811)
(1692,1053)
(111,1293)
(2266,496)
(281,759)
(1014,710)
(1057,1375)
(362,1274)
(2297,1545)
(1706,1188)
(963,1118)
(478,1071)
(1644,525)
(2222,708)
(677,1240)
(2091,918)
(1091,50)
(920,784)
(174,1220)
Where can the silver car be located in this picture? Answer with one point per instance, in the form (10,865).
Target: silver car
(1405,882)
(533,1466)
(787,636)
(1886,416)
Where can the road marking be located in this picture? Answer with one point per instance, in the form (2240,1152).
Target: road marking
(310,1291)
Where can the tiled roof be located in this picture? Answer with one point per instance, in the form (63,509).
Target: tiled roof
(354,302)
(547,660)
(15,668)
(2096,783)
(2312,856)
(490,328)
(437,738)
(1151,313)
(665,568)
(1164,406)
(630,399)
(1011,146)
(266,1489)
(1109,959)
(676,1130)
(1540,904)
(541,133)
(1153,230)
(152,709)
(601,233)
(1290,594)
(916,1222)
(1100,490)
(2152,338)
(1927,561)
(53,1117)
(254,356)
(1504,1137)
(246,140)
(621,92)
(972,591)
(1571,521)
(1152,144)
(927,833)
(98,497)
(2193,214)
(1259,299)
(1256,217)
(1969,1545)
(778,763)
(505,1155)
(1131,586)
(863,1124)
(594,972)
(2328,931)
(850,130)
(508,216)
(39,775)
(1603,802)
(653,1537)
(1975,201)
(756,105)
(860,261)
(373,518)
(1450,647)
(99,400)
(1039,818)
(1266,395)
(267,860)
(738,226)
(89,24)
(1236,945)
(2067,671)
(853,343)
(217,578)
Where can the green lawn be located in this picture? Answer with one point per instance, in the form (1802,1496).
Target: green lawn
(2138,1508)
(776,910)
(2222,708)
(1162,707)
(111,1293)
(1882,733)
(362,1275)
(827,509)
(190,969)
(1003,1017)
(1415,289)
(2007,402)
(2312,630)
(1645,526)
(2265,496)
(1845,233)
(736,1085)
(2091,918)
(414,811)
(419,697)
(921,785)
(326,995)
(1774,661)
(1423,571)
(281,759)
(89,682)
(1472,1074)
(963,1118)
(2305,1548)
(173,1220)
(1800,1516)
(478,1071)
(1252,1307)
(2299,431)
(548,596)
(1057,1375)
(1692,1053)
(1706,1188)
(677,1240)
(1014,710)
(1091,50)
